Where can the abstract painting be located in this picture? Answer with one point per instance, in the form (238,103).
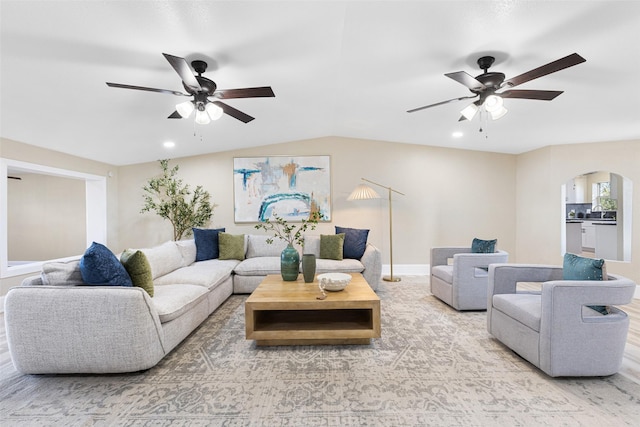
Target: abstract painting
(290,186)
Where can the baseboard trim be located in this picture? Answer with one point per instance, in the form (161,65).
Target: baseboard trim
(406,269)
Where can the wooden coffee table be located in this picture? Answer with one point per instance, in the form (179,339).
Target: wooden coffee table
(289,313)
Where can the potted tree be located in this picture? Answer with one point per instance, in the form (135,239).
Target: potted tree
(167,196)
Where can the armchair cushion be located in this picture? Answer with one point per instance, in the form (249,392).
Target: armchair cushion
(575,267)
(479,246)
(331,246)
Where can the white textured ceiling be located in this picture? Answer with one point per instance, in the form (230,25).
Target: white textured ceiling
(342,68)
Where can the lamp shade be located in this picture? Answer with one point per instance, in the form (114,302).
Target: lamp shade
(493,103)
(185,108)
(202,118)
(469,111)
(214,111)
(363,192)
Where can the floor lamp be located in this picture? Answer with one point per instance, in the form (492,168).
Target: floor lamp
(364,192)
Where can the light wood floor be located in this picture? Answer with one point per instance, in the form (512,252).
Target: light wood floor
(630,362)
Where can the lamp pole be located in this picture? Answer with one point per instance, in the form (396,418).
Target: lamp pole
(389,278)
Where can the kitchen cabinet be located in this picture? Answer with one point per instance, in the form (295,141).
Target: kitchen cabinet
(588,236)
(574,237)
(606,241)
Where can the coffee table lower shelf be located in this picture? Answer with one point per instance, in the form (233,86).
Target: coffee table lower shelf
(308,327)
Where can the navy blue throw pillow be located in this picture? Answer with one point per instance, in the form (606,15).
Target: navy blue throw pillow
(99,266)
(206,243)
(355,241)
(479,246)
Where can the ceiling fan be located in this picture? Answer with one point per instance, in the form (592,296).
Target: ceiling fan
(202,89)
(486,85)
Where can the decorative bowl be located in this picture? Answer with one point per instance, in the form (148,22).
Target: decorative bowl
(333,281)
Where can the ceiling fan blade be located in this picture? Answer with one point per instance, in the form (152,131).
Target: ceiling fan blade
(184,71)
(175,115)
(441,103)
(552,67)
(543,95)
(243,117)
(249,92)
(148,89)
(466,79)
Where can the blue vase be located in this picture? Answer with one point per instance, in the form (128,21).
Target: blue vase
(289,264)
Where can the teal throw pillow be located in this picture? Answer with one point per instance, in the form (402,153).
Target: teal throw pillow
(331,246)
(206,243)
(231,246)
(479,246)
(575,267)
(139,269)
(355,241)
(99,266)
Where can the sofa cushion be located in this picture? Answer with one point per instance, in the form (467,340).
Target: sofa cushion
(259,266)
(188,251)
(202,273)
(206,240)
(257,246)
(479,246)
(311,245)
(525,308)
(347,265)
(163,258)
(171,301)
(62,274)
(99,266)
(355,241)
(331,246)
(231,246)
(138,268)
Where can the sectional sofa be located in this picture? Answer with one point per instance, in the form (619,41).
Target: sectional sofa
(57,324)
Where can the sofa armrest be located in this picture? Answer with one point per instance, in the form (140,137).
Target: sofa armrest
(565,329)
(372,261)
(32,281)
(82,329)
(441,255)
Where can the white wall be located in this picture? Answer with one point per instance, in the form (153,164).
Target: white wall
(451,196)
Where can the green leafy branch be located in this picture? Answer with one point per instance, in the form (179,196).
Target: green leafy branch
(291,234)
(169,198)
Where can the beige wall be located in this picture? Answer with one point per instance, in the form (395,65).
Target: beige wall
(46,217)
(540,175)
(28,153)
(451,196)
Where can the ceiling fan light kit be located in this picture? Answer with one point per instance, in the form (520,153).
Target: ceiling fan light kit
(486,85)
(202,89)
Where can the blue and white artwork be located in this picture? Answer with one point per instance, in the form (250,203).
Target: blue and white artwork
(291,186)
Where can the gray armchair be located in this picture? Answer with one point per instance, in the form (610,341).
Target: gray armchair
(463,283)
(554,328)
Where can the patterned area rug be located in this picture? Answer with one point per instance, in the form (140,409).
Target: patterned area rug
(432,366)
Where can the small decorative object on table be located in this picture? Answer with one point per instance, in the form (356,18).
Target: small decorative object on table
(333,281)
(289,261)
(308,267)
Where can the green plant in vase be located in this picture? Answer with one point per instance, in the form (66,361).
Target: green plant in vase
(293,235)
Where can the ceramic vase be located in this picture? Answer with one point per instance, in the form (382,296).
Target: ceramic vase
(289,264)
(308,267)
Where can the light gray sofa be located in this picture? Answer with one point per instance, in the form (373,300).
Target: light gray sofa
(462,283)
(66,328)
(555,329)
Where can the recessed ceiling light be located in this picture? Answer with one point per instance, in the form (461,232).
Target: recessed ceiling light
(169,144)
(457,134)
